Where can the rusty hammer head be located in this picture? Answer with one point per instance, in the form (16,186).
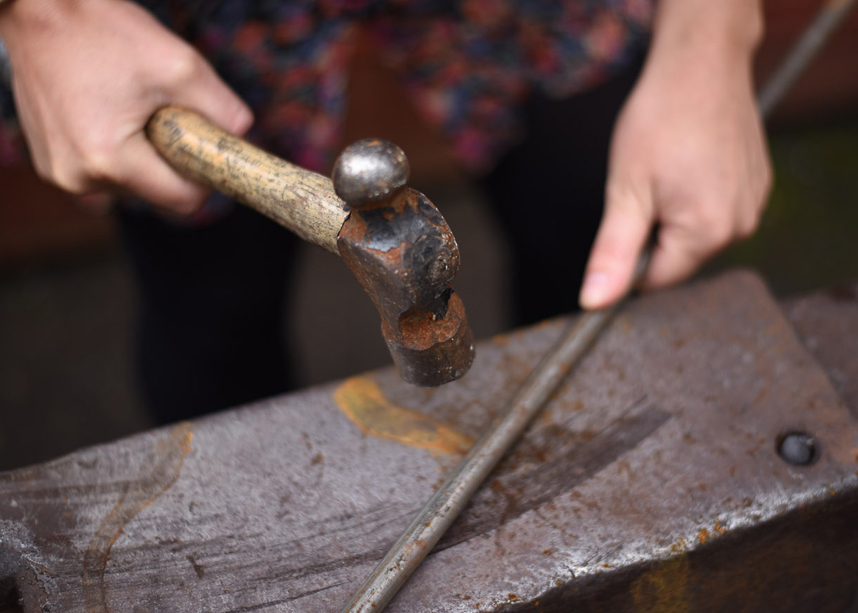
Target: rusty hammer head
(404,255)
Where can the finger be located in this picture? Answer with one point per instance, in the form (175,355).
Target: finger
(201,90)
(207,94)
(680,251)
(622,234)
(147,175)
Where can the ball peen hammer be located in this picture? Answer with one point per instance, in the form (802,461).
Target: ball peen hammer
(391,237)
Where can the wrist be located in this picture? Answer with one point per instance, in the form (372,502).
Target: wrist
(718,34)
(21,20)
(7,16)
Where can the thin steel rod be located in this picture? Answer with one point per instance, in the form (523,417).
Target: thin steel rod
(826,20)
(450,499)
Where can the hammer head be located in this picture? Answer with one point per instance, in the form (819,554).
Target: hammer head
(403,253)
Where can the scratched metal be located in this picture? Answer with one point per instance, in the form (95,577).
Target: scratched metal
(651,482)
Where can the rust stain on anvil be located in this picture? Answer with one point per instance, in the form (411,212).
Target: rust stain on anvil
(363,402)
(169,456)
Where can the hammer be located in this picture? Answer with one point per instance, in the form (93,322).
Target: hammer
(391,237)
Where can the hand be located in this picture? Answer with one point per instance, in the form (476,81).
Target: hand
(88,75)
(689,154)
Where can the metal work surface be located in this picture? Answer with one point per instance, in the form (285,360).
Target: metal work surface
(827,323)
(652,482)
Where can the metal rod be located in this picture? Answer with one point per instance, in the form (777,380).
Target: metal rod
(827,19)
(450,499)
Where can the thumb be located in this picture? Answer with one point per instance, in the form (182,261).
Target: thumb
(148,175)
(622,234)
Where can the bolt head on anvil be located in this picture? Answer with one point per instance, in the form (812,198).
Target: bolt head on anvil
(405,256)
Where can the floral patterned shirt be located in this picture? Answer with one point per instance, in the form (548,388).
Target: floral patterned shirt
(467,65)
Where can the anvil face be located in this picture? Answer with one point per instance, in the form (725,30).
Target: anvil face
(652,481)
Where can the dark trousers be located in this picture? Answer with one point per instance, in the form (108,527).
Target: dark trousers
(211,302)
(210,332)
(548,193)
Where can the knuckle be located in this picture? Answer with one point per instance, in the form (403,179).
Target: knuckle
(61,171)
(101,153)
(716,222)
(69,179)
(183,67)
(65,172)
(715,228)
(98,167)
(709,220)
(98,156)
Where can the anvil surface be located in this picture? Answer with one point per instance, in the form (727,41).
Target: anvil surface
(650,482)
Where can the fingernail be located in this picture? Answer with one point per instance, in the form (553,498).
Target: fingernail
(594,290)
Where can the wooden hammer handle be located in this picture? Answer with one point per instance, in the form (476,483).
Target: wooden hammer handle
(294,197)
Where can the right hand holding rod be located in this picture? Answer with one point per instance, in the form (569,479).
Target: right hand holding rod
(688,151)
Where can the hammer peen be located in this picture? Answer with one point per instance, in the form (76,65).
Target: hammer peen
(391,237)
